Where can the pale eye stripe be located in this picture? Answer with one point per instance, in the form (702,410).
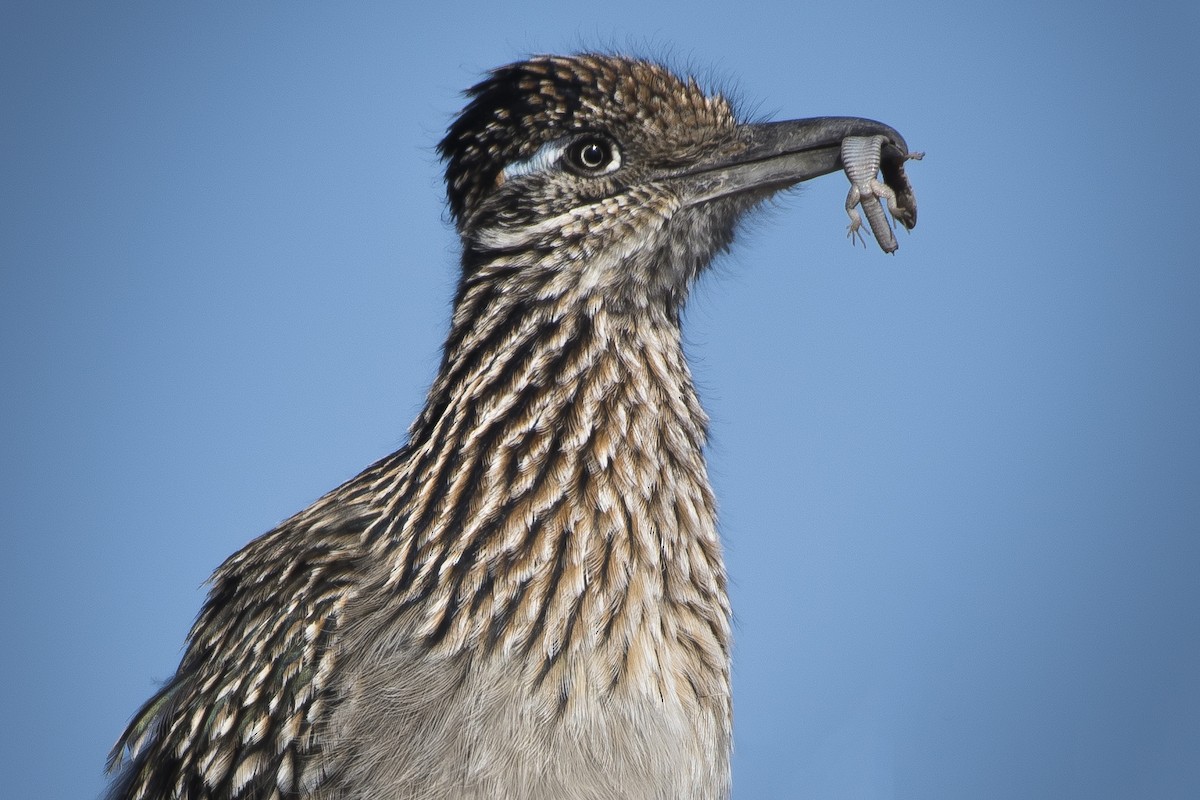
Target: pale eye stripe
(544,159)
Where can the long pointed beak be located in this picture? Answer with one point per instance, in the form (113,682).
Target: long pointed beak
(776,155)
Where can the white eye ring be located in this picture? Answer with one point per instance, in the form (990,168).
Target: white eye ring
(588,155)
(593,155)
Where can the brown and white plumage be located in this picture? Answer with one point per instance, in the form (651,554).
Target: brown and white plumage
(528,599)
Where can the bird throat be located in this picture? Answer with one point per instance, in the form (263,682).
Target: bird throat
(556,504)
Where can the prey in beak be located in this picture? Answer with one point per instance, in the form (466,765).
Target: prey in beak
(776,155)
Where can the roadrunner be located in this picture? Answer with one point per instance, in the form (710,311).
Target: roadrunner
(526,601)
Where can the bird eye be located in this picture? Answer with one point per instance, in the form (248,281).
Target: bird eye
(593,156)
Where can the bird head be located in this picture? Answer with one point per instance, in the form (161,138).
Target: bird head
(609,177)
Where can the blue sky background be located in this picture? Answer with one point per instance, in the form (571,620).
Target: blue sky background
(960,486)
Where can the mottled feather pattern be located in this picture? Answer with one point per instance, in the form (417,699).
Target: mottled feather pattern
(238,717)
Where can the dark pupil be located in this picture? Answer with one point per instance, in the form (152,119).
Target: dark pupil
(592,155)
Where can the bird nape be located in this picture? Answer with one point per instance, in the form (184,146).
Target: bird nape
(528,599)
